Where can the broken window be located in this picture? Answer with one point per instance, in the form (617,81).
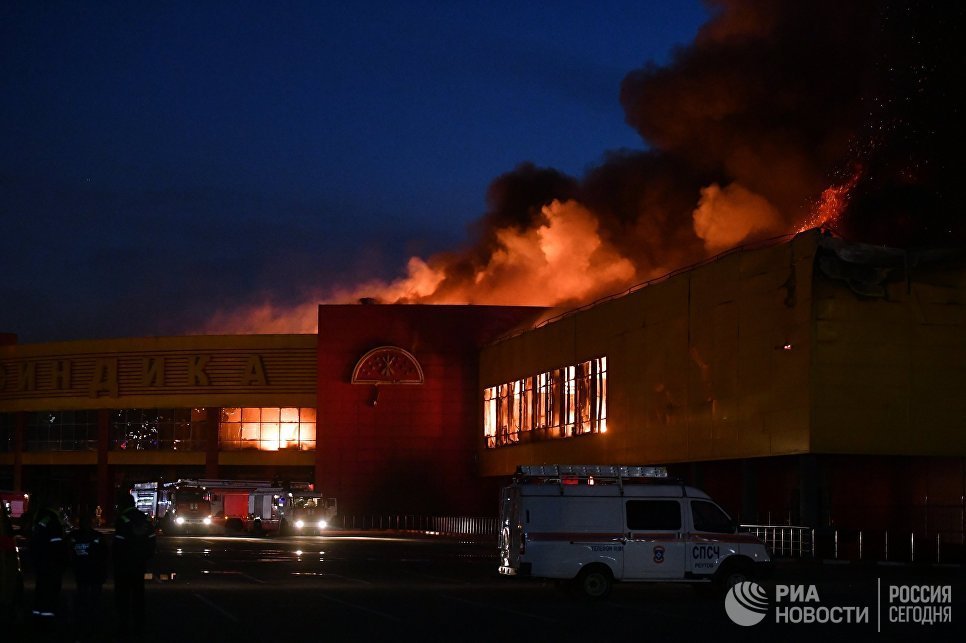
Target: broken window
(558,403)
(267,428)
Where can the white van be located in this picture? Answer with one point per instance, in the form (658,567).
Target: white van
(595,525)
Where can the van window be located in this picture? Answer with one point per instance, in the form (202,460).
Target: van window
(664,515)
(574,514)
(707,517)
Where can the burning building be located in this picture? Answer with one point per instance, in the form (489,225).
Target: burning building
(804,380)
(809,381)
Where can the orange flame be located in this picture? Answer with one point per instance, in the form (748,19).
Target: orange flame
(831,204)
(564,259)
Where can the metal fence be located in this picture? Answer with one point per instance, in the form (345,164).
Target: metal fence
(784,541)
(480,527)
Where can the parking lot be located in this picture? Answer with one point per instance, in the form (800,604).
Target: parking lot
(383,586)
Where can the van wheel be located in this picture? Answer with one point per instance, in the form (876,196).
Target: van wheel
(733,574)
(595,581)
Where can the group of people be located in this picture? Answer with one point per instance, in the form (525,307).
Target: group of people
(54,548)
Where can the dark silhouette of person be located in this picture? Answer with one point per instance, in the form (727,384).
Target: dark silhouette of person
(89,554)
(134,543)
(48,552)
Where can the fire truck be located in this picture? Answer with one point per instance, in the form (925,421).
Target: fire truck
(182,506)
(590,526)
(229,501)
(294,509)
(208,505)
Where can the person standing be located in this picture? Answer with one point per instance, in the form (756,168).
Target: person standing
(134,543)
(89,551)
(48,552)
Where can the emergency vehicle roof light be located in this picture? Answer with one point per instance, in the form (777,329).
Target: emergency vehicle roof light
(582,471)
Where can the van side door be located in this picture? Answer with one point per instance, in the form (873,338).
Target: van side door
(655,545)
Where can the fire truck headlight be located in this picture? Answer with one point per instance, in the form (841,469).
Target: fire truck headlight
(179,520)
(299,524)
(323,524)
(207,520)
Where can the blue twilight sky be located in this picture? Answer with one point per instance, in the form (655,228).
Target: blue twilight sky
(159,160)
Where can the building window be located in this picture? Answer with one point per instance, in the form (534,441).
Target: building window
(267,429)
(61,431)
(559,403)
(158,429)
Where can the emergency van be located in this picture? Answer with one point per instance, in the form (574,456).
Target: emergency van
(593,525)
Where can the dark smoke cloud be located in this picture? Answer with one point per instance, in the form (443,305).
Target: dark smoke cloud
(780,116)
(773,103)
(788,98)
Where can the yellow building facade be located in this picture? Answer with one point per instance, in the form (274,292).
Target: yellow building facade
(86,417)
(779,376)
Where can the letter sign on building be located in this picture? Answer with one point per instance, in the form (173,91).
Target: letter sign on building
(104,381)
(196,370)
(254,372)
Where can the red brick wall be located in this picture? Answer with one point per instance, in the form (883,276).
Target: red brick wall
(414,451)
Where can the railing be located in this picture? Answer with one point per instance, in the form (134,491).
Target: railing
(891,546)
(784,541)
(480,527)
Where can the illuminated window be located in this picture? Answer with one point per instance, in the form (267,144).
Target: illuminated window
(559,403)
(158,429)
(267,429)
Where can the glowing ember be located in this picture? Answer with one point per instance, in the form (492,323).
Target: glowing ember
(831,204)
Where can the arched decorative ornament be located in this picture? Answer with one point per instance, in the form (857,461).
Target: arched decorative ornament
(387,365)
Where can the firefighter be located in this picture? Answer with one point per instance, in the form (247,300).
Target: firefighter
(133,545)
(90,568)
(48,551)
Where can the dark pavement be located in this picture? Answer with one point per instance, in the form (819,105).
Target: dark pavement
(381,586)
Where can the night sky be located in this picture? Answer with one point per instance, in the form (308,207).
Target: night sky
(163,160)
(172,168)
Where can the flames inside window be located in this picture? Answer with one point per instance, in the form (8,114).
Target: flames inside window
(267,429)
(562,403)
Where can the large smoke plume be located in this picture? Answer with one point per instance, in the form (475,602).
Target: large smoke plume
(780,116)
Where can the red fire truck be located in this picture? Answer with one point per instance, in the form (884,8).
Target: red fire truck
(229,501)
(232,506)
(183,506)
(294,509)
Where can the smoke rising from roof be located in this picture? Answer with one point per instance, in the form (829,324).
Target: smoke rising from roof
(779,116)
